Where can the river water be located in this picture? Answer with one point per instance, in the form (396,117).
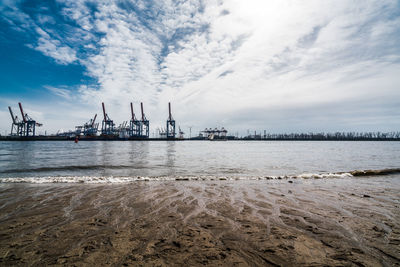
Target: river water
(116,161)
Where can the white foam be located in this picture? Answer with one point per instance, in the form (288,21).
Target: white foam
(324,175)
(119,180)
(80,179)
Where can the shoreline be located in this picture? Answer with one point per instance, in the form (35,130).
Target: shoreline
(88,179)
(238,223)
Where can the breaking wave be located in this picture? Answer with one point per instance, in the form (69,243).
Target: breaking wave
(116,180)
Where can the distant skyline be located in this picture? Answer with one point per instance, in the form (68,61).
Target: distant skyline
(279,66)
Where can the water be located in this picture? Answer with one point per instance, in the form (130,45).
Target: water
(67,161)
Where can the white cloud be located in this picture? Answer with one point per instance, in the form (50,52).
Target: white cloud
(64,93)
(53,48)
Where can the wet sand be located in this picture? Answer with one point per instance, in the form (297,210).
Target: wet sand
(327,222)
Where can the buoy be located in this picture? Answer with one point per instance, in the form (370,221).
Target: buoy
(76,139)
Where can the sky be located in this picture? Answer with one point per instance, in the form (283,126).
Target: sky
(279,66)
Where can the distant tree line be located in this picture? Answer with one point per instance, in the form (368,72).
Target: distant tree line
(378,136)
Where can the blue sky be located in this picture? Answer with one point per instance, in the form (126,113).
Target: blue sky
(282,66)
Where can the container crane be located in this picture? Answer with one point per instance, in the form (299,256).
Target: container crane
(88,129)
(107,126)
(16,125)
(135,124)
(91,127)
(144,125)
(123,130)
(181,133)
(170,124)
(29,123)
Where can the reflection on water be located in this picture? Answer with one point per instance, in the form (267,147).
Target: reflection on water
(169,158)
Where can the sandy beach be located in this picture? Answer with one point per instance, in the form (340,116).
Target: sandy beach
(326,222)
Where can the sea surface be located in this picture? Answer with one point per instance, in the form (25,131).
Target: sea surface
(126,161)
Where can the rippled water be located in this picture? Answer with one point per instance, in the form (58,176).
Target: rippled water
(192,158)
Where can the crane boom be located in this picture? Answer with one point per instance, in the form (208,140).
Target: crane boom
(169,108)
(132,113)
(12,115)
(22,111)
(141,107)
(94,119)
(104,111)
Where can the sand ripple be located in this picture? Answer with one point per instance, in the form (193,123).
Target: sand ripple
(246,223)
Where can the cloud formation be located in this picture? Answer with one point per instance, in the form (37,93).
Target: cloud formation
(276,65)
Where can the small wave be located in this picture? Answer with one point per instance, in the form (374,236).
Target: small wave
(71,168)
(76,179)
(322,175)
(117,180)
(376,172)
(101,180)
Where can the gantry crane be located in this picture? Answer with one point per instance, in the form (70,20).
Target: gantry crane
(107,126)
(181,133)
(90,128)
(17,127)
(135,124)
(144,124)
(29,124)
(123,130)
(170,124)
